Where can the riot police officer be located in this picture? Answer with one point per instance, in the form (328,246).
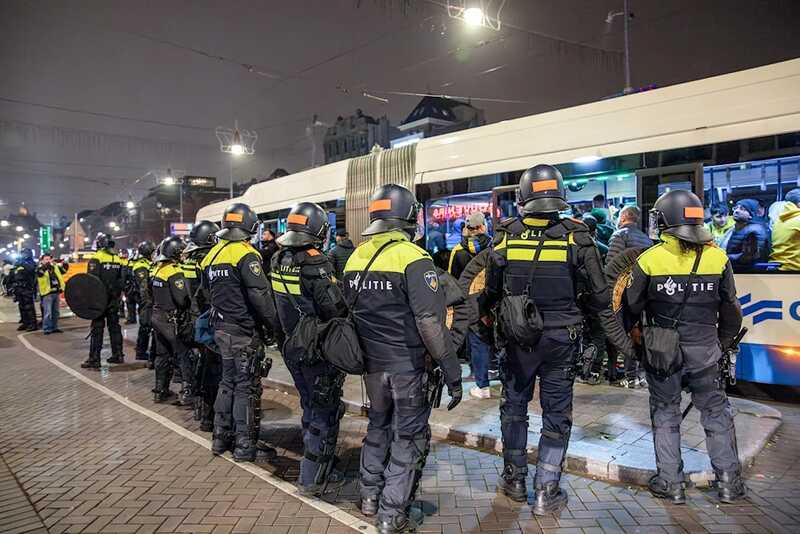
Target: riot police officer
(107,266)
(241,302)
(129,287)
(303,282)
(209,368)
(171,303)
(399,312)
(25,289)
(540,257)
(685,285)
(141,287)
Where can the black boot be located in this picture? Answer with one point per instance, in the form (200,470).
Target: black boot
(333,481)
(512,483)
(160,396)
(117,358)
(675,492)
(90,364)
(401,522)
(369,505)
(245,449)
(221,443)
(731,487)
(549,499)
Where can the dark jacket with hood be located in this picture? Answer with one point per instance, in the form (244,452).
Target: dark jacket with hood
(749,244)
(463,253)
(339,255)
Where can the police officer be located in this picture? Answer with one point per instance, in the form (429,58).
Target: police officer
(399,312)
(708,318)
(562,253)
(25,289)
(129,288)
(107,266)
(241,302)
(171,303)
(209,368)
(140,271)
(303,282)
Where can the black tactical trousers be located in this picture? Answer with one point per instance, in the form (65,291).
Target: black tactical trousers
(110,318)
(553,362)
(131,304)
(321,399)
(170,349)
(27,310)
(237,409)
(715,416)
(398,439)
(145,331)
(207,383)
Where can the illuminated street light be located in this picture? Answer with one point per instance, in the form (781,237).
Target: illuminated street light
(4,223)
(61,245)
(19,228)
(85,239)
(26,236)
(236,148)
(130,204)
(473,16)
(111,224)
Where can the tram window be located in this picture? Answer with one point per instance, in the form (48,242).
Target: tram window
(753,213)
(445,218)
(618,190)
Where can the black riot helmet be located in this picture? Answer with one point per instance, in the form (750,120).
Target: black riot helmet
(202,236)
(146,249)
(102,241)
(541,190)
(239,223)
(170,249)
(679,213)
(307,224)
(26,254)
(392,207)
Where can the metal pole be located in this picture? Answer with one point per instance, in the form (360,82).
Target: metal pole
(231,162)
(180,195)
(626,15)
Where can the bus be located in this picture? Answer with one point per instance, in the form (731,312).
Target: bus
(733,139)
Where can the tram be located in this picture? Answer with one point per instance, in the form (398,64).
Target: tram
(727,138)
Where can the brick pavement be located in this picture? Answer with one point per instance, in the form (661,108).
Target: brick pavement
(457,489)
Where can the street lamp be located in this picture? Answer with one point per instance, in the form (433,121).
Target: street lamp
(236,142)
(473,16)
(19,228)
(4,223)
(626,17)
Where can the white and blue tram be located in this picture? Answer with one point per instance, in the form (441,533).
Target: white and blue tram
(726,138)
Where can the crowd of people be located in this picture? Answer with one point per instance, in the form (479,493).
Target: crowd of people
(529,301)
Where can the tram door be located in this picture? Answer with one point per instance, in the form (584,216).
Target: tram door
(652,183)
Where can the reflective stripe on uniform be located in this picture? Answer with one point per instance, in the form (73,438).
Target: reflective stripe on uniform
(527,254)
(282,282)
(165,271)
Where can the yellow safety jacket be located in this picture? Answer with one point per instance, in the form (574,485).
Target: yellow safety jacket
(44,282)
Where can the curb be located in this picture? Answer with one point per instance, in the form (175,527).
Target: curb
(611,468)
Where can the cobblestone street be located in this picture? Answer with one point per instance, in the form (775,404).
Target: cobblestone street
(96,455)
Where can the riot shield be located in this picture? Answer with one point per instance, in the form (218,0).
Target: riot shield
(86,295)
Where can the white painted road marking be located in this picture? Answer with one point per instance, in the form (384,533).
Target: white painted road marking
(326,508)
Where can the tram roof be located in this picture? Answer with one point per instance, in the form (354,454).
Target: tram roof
(750,103)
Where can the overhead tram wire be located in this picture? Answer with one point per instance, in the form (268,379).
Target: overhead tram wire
(104,115)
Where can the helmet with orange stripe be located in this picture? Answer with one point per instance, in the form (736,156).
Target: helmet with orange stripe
(679,213)
(307,224)
(239,223)
(392,207)
(541,190)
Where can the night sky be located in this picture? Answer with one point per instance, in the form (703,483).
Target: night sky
(93,94)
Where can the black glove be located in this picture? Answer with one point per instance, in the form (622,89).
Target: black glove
(456,393)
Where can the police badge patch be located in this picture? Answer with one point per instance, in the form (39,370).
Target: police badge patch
(432,280)
(255,268)
(179,285)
